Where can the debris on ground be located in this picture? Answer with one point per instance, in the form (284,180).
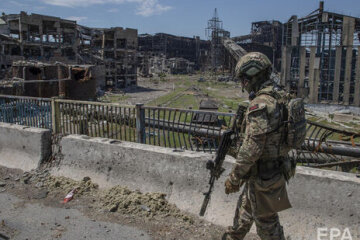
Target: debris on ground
(39,194)
(167,225)
(6,232)
(118,199)
(36,176)
(121,199)
(66,184)
(70,195)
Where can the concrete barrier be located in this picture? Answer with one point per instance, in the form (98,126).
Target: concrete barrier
(320,198)
(23,147)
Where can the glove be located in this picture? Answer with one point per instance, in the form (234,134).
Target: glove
(230,187)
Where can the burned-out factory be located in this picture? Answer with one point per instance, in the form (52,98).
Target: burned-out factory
(315,57)
(163,120)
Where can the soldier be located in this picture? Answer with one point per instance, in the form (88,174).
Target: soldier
(261,159)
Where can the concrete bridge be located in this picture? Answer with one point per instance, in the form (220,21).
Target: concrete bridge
(320,198)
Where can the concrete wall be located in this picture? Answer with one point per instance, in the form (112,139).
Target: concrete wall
(23,147)
(320,198)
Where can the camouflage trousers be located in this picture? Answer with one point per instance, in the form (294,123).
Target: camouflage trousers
(267,226)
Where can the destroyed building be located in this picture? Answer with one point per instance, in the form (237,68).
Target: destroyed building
(265,37)
(116,47)
(161,44)
(157,64)
(320,57)
(38,37)
(180,66)
(37,79)
(51,39)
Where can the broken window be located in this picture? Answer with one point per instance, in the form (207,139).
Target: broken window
(34,70)
(121,43)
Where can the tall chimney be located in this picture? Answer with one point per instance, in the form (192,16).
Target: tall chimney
(321,7)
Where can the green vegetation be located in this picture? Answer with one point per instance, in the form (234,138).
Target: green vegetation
(185,101)
(189,92)
(113,98)
(166,98)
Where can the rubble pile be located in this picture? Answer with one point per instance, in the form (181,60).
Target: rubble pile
(121,199)
(117,199)
(66,184)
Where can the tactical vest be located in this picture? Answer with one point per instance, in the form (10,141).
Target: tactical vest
(275,158)
(275,144)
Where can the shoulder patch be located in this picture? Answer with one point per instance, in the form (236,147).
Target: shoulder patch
(256,106)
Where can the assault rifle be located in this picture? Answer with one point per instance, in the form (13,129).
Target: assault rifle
(215,166)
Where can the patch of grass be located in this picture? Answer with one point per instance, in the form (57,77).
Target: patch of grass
(114,98)
(185,101)
(166,98)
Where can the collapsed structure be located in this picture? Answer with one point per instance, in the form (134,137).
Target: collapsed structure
(184,54)
(265,37)
(115,48)
(320,57)
(37,79)
(37,37)
(51,39)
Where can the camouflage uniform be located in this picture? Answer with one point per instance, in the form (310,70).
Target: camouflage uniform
(259,164)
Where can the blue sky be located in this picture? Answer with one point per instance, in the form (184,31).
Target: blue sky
(179,17)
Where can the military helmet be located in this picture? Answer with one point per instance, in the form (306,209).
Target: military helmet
(251,64)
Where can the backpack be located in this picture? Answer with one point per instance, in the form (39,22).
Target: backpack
(293,116)
(295,123)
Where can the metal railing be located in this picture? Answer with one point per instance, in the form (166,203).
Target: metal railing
(167,127)
(28,111)
(327,147)
(179,129)
(95,119)
(184,129)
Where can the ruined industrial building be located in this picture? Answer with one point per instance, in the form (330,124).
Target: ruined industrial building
(316,57)
(114,133)
(321,59)
(51,39)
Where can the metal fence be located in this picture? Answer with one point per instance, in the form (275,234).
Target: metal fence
(179,129)
(328,147)
(184,129)
(95,119)
(167,127)
(29,111)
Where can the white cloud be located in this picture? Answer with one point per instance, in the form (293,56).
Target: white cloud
(75,18)
(151,7)
(144,7)
(113,10)
(80,3)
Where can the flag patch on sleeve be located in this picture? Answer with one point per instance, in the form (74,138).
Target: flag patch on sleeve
(256,106)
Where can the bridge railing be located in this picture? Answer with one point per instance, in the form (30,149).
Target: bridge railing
(180,129)
(168,127)
(28,111)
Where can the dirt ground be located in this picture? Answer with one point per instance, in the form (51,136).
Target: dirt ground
(145,92)
(39,187)
(150,89)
